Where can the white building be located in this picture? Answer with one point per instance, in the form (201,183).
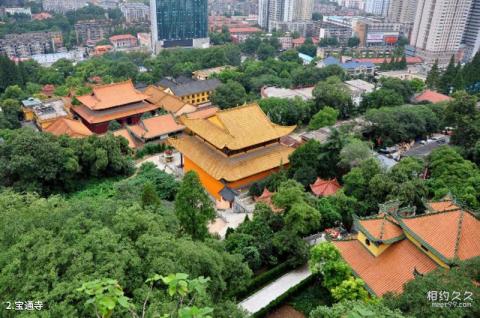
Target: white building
(274,12)
(303,10)
(359,87)
(471,37)
(13,11)
(438,29)
(135,12)
(62,6)
(378,7)
(402,11)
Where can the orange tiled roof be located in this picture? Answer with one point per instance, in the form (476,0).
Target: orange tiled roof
(122,37)
(156,126)
(381,229)
(100,116)
(389,271)
(112,95)
(244,30)
(325,188)
(432,97)
(449,235)
(442,206)
(237,128)
(70,127)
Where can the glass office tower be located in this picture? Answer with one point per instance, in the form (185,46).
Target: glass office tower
(179,23)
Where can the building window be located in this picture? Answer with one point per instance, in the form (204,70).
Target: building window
(367,241)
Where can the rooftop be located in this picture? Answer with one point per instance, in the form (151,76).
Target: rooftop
(389,271)
(303,93)
(233,168)
(432,97)
(100,116)
(168,102)
(120,37)
(50,110)
(203,113)
(325,188)
(380,60)
(361,84)
(30,102)
(112,95)
(70,127)
(183,86)
(155,127)
(450,235)
(348,65)
(244,30)
(382,229)
(237,128)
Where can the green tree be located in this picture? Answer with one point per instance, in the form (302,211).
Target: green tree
(433,77)
(333,93)
(350,289)
(354,153)
(353,42)
(414,301)
(325,117)
(356,308)
(265,51)
(448,77)
(228,95)
(418,85)
(193,207)
(10,114)
(149,195)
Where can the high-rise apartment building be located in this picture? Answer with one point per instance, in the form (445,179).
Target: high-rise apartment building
(378,7)
(303,10)
(402,11)
(438,29)
(272,12)
(471,37)
(179,23)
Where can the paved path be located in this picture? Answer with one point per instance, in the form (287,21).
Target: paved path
(277,288)
(269,293)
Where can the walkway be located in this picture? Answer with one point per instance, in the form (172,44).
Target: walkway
(277,288)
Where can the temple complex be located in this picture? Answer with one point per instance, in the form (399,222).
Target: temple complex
(397,245)
(118,101)
(232,148)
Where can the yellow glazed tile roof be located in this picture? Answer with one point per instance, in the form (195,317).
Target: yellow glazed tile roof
(235,167)
(237,128)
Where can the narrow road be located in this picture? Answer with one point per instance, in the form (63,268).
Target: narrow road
(277,288)
(269,293)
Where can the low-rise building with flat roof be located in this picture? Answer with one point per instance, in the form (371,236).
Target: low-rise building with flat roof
(48,112)
(279,92)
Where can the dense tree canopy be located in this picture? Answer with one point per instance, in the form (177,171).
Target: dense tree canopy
(332,92)
(98,234)
(32,161)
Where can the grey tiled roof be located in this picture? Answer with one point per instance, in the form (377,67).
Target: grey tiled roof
(183,86)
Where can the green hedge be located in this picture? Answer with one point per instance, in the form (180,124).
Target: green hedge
(263,279)
(150,149)
(280,300)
